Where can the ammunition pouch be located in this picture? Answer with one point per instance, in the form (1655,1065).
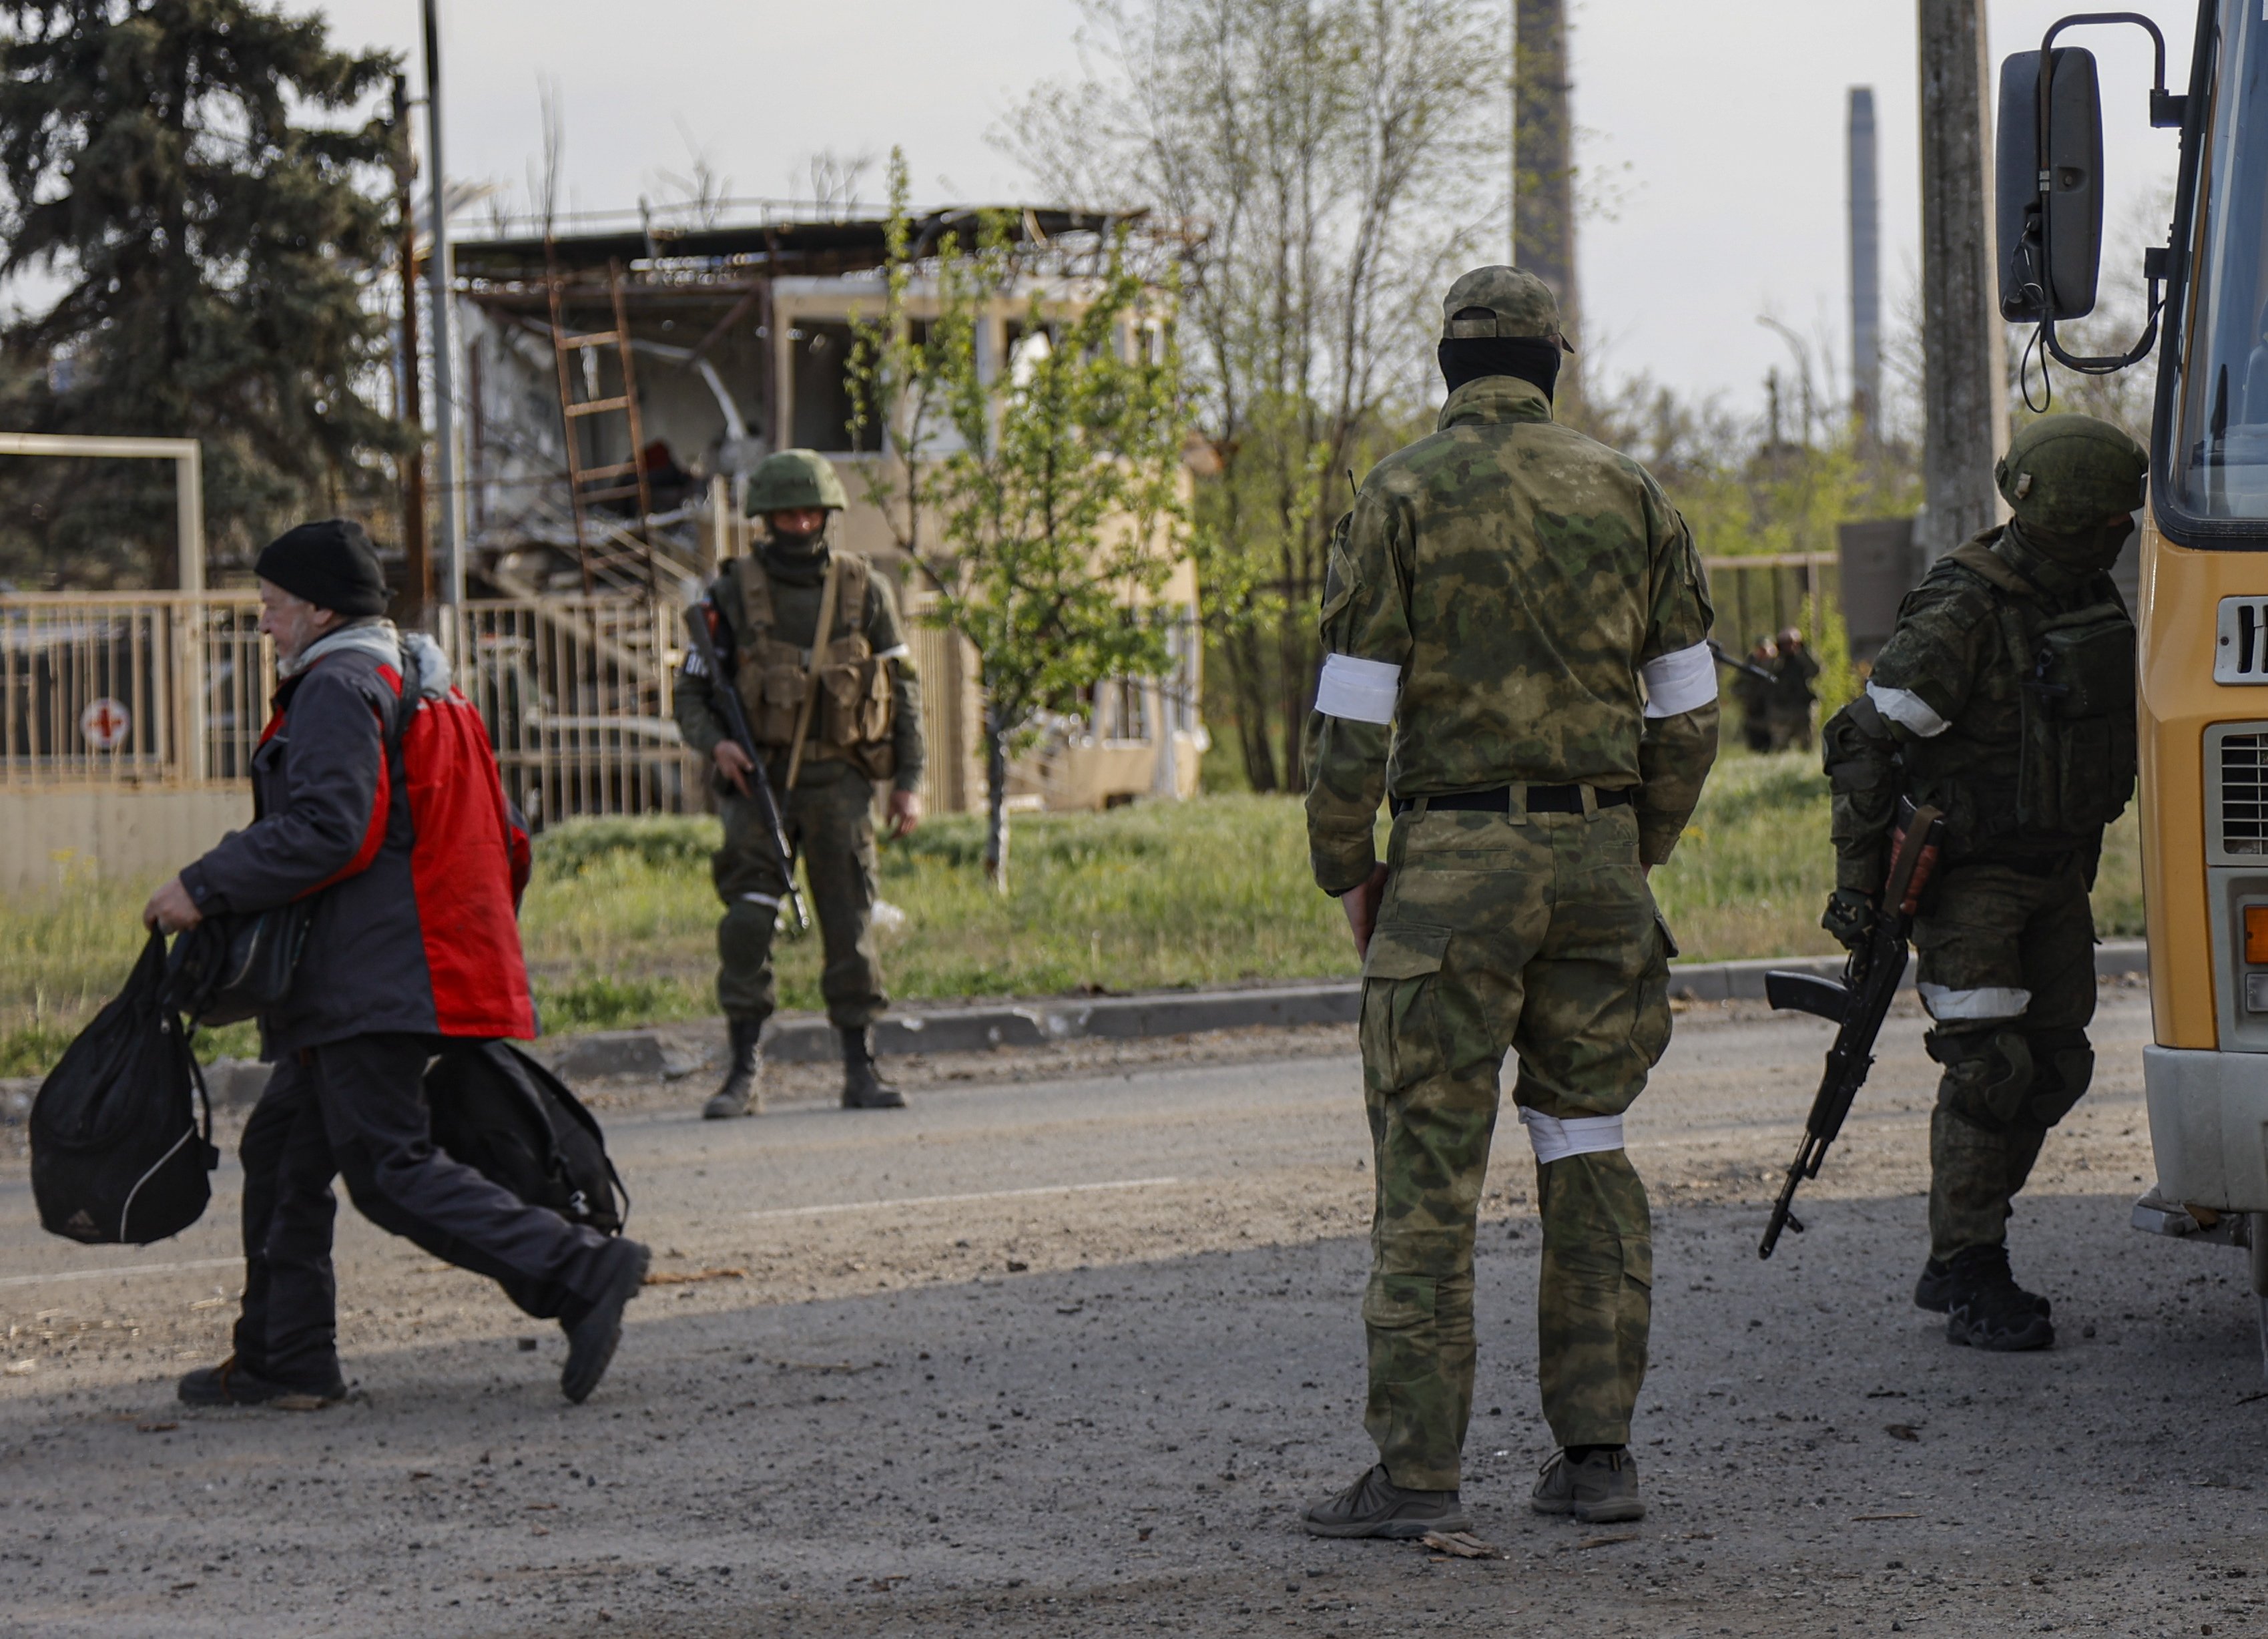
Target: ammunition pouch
(2079,754)
(852,719)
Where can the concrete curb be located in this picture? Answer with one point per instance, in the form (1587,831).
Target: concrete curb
(801,1038)
(804,1038)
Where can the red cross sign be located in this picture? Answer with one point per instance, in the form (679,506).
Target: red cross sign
(104,723)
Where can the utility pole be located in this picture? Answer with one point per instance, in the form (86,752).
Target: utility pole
(1865,269)
(1543,162)
(1964,375)
(437,269)
(418,590)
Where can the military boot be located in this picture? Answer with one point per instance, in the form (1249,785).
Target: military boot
(1934,1290)
(863,1085)
(1374,1506)
(743,1091)
(1597,1484)
(1988,1310)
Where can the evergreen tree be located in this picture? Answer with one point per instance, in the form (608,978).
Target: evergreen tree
(212,256)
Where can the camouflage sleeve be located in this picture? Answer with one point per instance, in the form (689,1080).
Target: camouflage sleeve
(1858,746)
(885,633)
(699,723)
(1933,653)
(1676,751)
(1366,620)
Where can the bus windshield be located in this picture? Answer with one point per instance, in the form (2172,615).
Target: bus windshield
(2219,447)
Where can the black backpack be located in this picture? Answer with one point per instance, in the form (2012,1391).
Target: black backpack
(513,1121)
(119,1151)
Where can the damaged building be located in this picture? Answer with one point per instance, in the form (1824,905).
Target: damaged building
(617,384)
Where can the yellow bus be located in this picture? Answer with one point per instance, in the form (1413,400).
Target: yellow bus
(2203,610)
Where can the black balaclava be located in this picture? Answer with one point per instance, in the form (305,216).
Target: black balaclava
(798,559)
(1533,359)
(2066,562)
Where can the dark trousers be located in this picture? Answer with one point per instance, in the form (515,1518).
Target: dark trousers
(356,1109)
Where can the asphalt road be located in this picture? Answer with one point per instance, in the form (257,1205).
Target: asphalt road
(1067,1355)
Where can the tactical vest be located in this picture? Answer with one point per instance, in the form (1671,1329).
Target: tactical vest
(856,710)
(2075,753)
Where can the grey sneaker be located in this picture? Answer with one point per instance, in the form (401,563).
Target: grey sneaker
(1600,1490)
(1374,1506)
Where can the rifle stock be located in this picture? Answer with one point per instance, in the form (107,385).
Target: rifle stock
(736,725)
(1869,984)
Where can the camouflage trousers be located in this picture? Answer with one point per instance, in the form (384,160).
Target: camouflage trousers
(1534,934)
(831,824)
(2006,971)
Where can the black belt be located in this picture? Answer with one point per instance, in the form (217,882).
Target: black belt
(1497,800)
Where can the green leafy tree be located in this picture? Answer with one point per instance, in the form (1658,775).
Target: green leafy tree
(1043,497)
(214,254)
(1326,159)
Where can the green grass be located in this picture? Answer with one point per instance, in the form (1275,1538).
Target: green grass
(620,922)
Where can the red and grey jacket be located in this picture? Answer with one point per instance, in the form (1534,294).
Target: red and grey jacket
(415,858)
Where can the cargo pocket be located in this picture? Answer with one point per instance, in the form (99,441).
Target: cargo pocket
(1650,1025)
(781,705)
(1401,1012)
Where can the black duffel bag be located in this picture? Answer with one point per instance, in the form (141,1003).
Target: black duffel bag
(513,1121)
(121,1129)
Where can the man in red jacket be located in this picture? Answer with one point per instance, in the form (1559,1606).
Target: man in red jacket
(389,813)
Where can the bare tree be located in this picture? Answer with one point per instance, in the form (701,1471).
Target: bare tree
(1322,158)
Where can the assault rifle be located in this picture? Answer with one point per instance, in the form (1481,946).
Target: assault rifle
(1858,1002)
(736,725)
(1746,668)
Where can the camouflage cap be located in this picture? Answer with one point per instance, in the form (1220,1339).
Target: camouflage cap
(789,480)
(1522,304)
(2064,473)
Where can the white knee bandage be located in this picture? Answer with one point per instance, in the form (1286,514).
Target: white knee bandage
(1556,1139)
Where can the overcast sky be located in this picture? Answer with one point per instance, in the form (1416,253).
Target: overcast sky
(1719,126)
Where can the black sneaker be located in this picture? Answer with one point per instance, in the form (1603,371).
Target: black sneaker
(591,1340)
(228,1383)
(1374,1506)
(1988,1310)
(1934,1290)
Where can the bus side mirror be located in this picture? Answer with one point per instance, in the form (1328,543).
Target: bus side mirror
(2050,242)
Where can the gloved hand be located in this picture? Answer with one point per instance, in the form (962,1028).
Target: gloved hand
(1849,916)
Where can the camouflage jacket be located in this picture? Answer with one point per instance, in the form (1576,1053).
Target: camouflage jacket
(2005,697)
(795,593)
(1491,605)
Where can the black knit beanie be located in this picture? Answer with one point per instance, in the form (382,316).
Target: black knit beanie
(331,564)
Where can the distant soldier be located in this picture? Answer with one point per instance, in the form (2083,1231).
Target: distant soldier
(861,725)
(2006,698)
(1753,685)
(1516,633)
(1788,703)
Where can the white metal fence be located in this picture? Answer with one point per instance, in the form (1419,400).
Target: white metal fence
(172,690)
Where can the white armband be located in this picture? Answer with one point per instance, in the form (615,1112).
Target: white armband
(1556,1139)
(1361,691)
(1680,683)
(895,652)
(1908,710)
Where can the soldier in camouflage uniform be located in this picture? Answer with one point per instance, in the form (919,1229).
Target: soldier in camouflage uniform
(862,725)
(1515,626)
(2006,698)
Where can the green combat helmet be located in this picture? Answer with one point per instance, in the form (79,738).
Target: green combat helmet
(789,480)
(2065,475)
(1522,304)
